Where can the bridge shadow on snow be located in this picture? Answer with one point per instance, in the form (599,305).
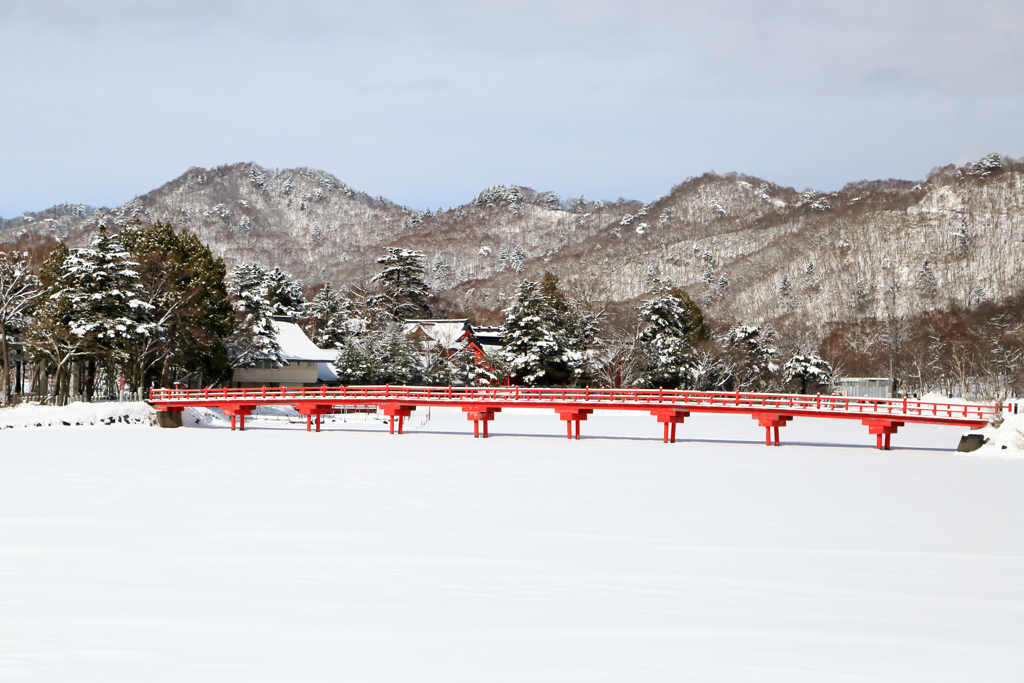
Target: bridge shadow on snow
(293,427)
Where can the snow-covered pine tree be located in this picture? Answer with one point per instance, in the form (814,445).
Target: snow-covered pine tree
(442,274)
(94,309)
(927,283)
(518,260)
(708,274)
(807,371)
(254,337)
(749,359)
(402,280)
(962,239)
(535,346)
(105,292)
(185,284)
(784,286)
(671,324)
(502,258)
(383,356)
(49,338)
(285,295)
(331,320)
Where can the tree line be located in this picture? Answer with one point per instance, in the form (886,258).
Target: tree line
(151,306)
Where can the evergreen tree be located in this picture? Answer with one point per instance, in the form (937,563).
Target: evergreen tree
(671,324)
(285,295)
(404,290)
(94,309)
(443,274)
(331,320)
(105,291)
(49,339)
(749,357)
(184,283)
(382,356)
(254,336)
(807,370)
(536,346)
(518,260)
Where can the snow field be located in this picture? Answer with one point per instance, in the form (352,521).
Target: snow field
(275,555)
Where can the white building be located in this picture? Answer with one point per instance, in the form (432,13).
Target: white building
(307,365)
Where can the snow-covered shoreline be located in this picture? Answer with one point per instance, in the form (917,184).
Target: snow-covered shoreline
(78,414)
(1006,440)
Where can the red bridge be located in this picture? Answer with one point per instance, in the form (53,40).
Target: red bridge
(881,416)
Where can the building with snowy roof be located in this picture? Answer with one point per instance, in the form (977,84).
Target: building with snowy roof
(450,335)
(306,366)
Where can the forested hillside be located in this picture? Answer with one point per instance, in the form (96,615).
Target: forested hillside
(746,249)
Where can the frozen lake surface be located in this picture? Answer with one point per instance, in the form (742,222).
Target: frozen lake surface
(130,553)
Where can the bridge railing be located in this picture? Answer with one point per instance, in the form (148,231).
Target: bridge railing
(527,395)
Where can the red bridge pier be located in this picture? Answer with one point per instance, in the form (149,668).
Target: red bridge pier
(573,415)
(239,410)
(670,417)
(771,421)
(882,429)
(478,414)
(393,410)
(314,410)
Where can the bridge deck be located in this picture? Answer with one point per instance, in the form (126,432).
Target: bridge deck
(882,416)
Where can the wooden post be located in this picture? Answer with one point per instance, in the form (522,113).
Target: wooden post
(232,422)
(241,421)
(673,436)
(318,422)
(308,422)
(485,428)
(392,418)
(476,429)
(400,420)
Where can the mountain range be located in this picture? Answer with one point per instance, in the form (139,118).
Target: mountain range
(745,248)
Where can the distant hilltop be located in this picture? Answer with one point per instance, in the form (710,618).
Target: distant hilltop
(744,248)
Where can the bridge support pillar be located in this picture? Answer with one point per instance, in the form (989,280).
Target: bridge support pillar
(313,411)
(480,414)
(670,417)
(882,429)
(771,423)
(573,416)
(240,411)
(393,410)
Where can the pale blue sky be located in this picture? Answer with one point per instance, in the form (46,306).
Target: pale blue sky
(427,103)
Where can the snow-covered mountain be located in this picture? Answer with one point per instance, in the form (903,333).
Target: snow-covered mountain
(745,248)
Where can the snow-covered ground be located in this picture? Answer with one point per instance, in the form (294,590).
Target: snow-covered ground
(129,553)
(27,415)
